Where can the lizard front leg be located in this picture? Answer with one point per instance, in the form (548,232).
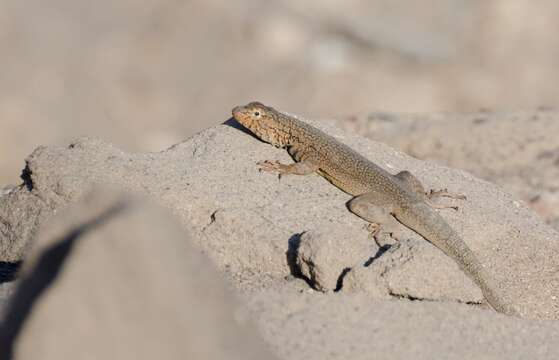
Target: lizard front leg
(298,168)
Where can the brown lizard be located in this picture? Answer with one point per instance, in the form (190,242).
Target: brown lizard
(379,197)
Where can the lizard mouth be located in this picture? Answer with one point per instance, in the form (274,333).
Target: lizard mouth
(240,114)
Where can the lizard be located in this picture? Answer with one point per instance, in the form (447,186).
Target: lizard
(380,198)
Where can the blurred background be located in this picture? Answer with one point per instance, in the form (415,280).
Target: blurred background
(147,74)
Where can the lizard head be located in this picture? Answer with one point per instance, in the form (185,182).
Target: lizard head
(263,121)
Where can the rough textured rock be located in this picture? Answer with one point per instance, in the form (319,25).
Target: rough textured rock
(114,277)
(415,257)
(6,189)
(319,326)
(245,220)
(389,275)
(325,257)
(329,263)
(21,212)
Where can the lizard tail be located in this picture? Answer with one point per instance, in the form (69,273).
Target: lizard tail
(426,222)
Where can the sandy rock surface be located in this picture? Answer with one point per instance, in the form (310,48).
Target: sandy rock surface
(261,232)
(357,327)
(113,278)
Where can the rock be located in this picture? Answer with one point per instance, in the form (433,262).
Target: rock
(6,189)
(245,220)
(21,212)
(390,275)
(325,257)
(354,326)
(114,277)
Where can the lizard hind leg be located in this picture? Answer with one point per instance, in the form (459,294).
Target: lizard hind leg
(371,207)
(445,193)
(442,193)
(411,182)
(416,186)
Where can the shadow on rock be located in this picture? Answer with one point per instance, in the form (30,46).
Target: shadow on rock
(43,275)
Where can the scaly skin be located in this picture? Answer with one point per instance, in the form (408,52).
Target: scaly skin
(379,196)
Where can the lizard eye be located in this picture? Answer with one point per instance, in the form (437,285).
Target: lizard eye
(256,113)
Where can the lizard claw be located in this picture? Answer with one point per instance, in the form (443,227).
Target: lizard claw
(382,238)
(271,166)
(443,193)
(373,228)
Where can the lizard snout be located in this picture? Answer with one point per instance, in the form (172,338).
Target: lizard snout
(237,111)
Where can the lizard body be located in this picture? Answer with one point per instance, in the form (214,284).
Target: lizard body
(379,197)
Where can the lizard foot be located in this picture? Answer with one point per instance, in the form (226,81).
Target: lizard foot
(382,237)
(442,193)
(273,166)
(374,229)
